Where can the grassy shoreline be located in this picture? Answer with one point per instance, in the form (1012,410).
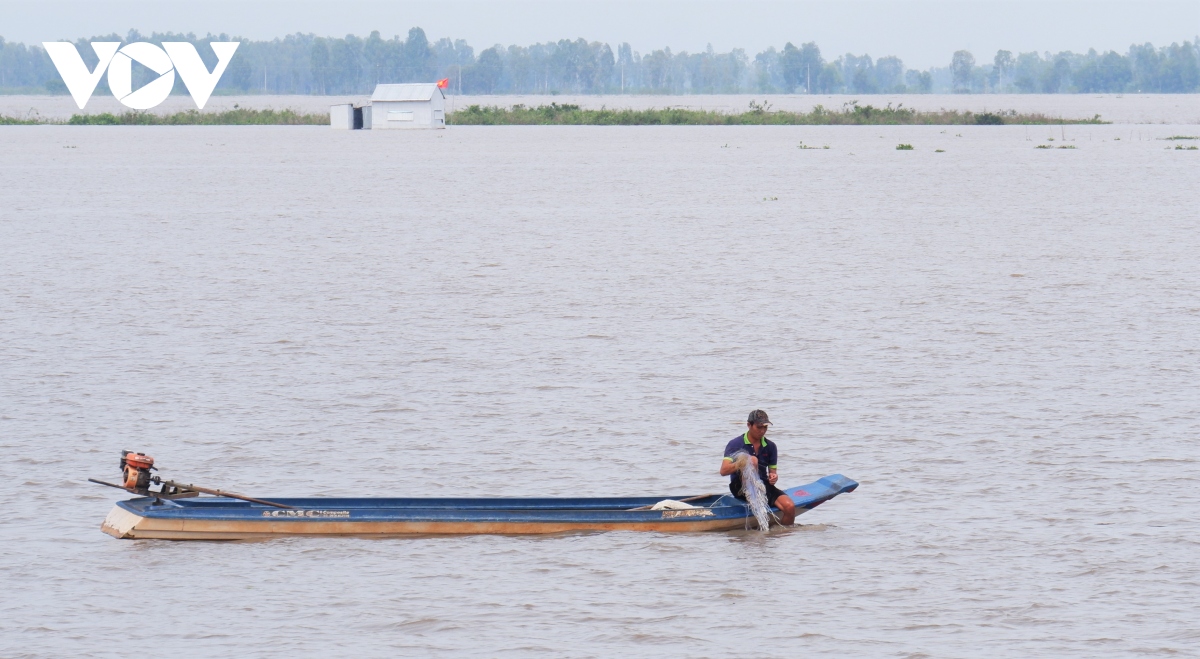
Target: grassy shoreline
(234,117)
(851,114)
(554,114)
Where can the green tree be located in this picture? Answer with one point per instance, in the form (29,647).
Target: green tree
(346,65)
(320,63)
(1179,71)
(418,57)
(625,65)
(603,68)
(812,63)
(830,80)
(1002,65)
(1027,72)
(374,51)
(1057,77)
(1115,72)
(920,82)
(1103,73)
(889,74)
(962,68)
(452,59)
(484,76)
(658,70)
(1145,64)
(859,72)
(792,68)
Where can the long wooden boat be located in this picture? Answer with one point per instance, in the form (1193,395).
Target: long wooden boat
(225,518)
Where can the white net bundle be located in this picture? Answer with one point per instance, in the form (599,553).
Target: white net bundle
(754,490)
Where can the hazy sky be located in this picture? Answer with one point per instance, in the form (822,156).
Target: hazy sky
(922,33)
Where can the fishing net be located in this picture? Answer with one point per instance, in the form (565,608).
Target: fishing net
(754,490)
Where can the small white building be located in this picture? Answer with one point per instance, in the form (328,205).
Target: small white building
(347,116)
(341,116)
(416,105)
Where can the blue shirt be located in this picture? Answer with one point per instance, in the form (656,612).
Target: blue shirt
(767,454)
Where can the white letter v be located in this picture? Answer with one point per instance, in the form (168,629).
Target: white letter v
(74,72)
(199,81)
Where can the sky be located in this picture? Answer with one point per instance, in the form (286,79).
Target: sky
(921,32)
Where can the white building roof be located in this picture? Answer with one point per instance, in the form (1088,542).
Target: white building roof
(419,91)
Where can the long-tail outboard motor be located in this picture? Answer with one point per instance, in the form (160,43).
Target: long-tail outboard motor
(135,469)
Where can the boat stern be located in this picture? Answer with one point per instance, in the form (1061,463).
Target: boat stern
(120,523)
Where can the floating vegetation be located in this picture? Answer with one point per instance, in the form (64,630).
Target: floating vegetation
(904,147)
(1180,147)
(805,146)
(235,117)
(851,114)
(1067,146)
(1180,137)
(939,150)
(14,121)
(1043,146)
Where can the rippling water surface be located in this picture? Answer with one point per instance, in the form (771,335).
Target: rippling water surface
(999,342)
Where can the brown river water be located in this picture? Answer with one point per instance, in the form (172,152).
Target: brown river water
(1001,343)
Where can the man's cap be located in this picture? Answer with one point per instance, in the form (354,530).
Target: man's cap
(758,418)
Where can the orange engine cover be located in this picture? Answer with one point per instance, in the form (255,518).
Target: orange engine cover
(139,460)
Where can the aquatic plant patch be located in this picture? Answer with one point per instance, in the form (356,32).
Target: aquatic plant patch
(15,121)
(235,117)
(851,114)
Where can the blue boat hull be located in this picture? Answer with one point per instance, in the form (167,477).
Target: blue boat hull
(220,518)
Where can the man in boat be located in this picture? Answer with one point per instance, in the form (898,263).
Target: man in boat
(764,456)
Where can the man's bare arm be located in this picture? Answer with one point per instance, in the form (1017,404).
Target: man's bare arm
(729,466)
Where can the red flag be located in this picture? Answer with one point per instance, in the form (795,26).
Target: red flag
(443,83)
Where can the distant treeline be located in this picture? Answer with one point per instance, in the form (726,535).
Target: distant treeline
(308,64)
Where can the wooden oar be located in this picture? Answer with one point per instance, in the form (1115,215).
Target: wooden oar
(222,493)
(698,496)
